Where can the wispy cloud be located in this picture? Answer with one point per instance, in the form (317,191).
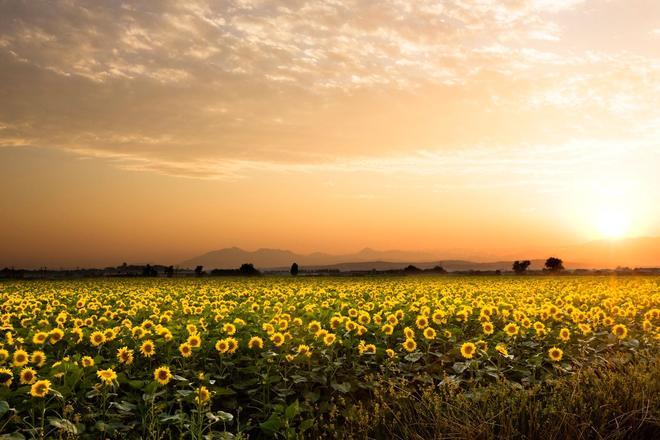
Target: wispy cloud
(220,90)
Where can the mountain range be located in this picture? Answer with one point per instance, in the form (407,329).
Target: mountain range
(632,252)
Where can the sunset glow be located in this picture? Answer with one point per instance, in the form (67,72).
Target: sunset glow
(613,224)
(157,131)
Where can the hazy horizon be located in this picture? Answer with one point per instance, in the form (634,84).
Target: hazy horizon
(157,131)
(632,252)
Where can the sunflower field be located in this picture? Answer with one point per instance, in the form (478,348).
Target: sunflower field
(331,357)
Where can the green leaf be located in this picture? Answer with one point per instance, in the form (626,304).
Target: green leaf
(63,424)
(414,357)
(4,407)
(292,410)
(137,384)
(124,406)
(12,436)
(225,416)
(306,424)
(341,387)
(224,392)
(272,425)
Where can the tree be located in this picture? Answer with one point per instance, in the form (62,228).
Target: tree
(412,269)
(294,269)
(199,271)
(148,271)
(437,269)
(169,271)
(248,269)
(553,264)
(520,267)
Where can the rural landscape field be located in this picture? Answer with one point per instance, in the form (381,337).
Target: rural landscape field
(330,219)
(413,357)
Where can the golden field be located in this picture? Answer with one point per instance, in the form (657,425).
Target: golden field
(326,357)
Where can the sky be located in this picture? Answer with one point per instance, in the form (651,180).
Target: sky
(153,131)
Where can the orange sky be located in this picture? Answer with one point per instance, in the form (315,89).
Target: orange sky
(155,131)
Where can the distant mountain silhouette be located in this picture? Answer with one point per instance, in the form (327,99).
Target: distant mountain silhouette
(632,252)
(276,258)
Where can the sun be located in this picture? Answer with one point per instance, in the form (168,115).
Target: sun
(613,224)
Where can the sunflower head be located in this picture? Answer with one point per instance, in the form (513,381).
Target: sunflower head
(256,342)
(40,388)
(409,345)
(468,349)
(162,375)
(620,331)
(555,354)
(202,395)
(6,377)
(185,349)
(28,376)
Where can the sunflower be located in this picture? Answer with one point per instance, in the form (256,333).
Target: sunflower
(79,333)
(56,335)
(620,331)
(408,333)
(185,349)
(4,355)
(511,329)
(277,339)
(314,326)
(97,338)
(438,316)
(488,328)
(501,349)
(125,356)
(38,358)
(329,339)
(194,341)
(468,349)
(162,375)
(564,334)
(335,322)
(350,325)
(148,348)
(20,358)
(482,345)
(429,333)
(390,353)
(585,329)
(304,350)
(421,322)
(256,342)
(6,377)
(368,349)
(28,376)
(87,361)
(39,338)
(387,329)
(202,395)
(222,346)
(555,354)
(138,332)
(409,345)
(107,376)
(232,345)
(40,388)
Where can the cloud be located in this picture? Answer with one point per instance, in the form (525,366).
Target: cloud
(224,89)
